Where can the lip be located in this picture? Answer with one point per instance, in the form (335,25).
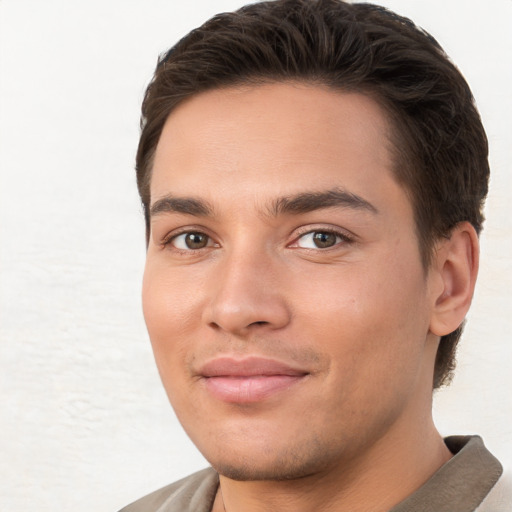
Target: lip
(248,380)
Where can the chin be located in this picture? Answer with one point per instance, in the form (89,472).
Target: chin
(251,472)
(274,464)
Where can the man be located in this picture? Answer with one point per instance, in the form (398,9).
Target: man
(313,175)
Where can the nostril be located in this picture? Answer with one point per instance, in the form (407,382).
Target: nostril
(230,314)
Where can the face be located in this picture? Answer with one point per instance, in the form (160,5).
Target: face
(283,292)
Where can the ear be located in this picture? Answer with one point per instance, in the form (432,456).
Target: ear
(456,265)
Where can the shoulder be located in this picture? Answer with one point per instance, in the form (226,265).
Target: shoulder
(464,483)
(193,493)
(499,498)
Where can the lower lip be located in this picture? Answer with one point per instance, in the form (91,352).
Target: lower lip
(250,389)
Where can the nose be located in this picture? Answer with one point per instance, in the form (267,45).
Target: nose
(246,294)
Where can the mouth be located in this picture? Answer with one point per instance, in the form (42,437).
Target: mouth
(248,380)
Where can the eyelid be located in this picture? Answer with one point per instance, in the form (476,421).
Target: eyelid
(167,239)
(182,246)
(346,236)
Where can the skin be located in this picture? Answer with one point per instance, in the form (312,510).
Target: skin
(360,318)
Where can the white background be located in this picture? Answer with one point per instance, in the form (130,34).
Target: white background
(84,423)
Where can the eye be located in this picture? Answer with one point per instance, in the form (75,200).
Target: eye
(191,240)
(320,240)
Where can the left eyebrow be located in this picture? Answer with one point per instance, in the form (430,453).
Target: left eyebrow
(310,201)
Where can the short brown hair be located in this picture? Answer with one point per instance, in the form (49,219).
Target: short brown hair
(439,143)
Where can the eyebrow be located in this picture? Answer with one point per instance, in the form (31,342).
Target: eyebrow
(309,201)
(186,205)
(294,204)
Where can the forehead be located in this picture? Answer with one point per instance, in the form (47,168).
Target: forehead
(279,139)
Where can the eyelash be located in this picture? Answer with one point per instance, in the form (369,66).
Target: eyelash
(344,237)
(168,239)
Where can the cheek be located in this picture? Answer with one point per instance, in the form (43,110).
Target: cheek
(372,334)
(370,318)
(156,303)
(169,297)
(168,315)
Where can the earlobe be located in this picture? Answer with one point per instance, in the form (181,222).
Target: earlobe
(456,264)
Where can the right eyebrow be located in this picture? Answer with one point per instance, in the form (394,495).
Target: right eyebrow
(186,205)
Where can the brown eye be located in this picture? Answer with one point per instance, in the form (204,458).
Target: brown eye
(323,239)
(319,240)
(196,240)
(191,241)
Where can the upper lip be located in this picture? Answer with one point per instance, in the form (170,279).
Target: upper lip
(227,366)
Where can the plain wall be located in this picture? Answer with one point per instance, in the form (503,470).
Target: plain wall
(85,424)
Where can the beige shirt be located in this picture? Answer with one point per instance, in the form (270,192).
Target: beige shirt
(460,485)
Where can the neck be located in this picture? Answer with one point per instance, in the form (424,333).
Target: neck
(392,469)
